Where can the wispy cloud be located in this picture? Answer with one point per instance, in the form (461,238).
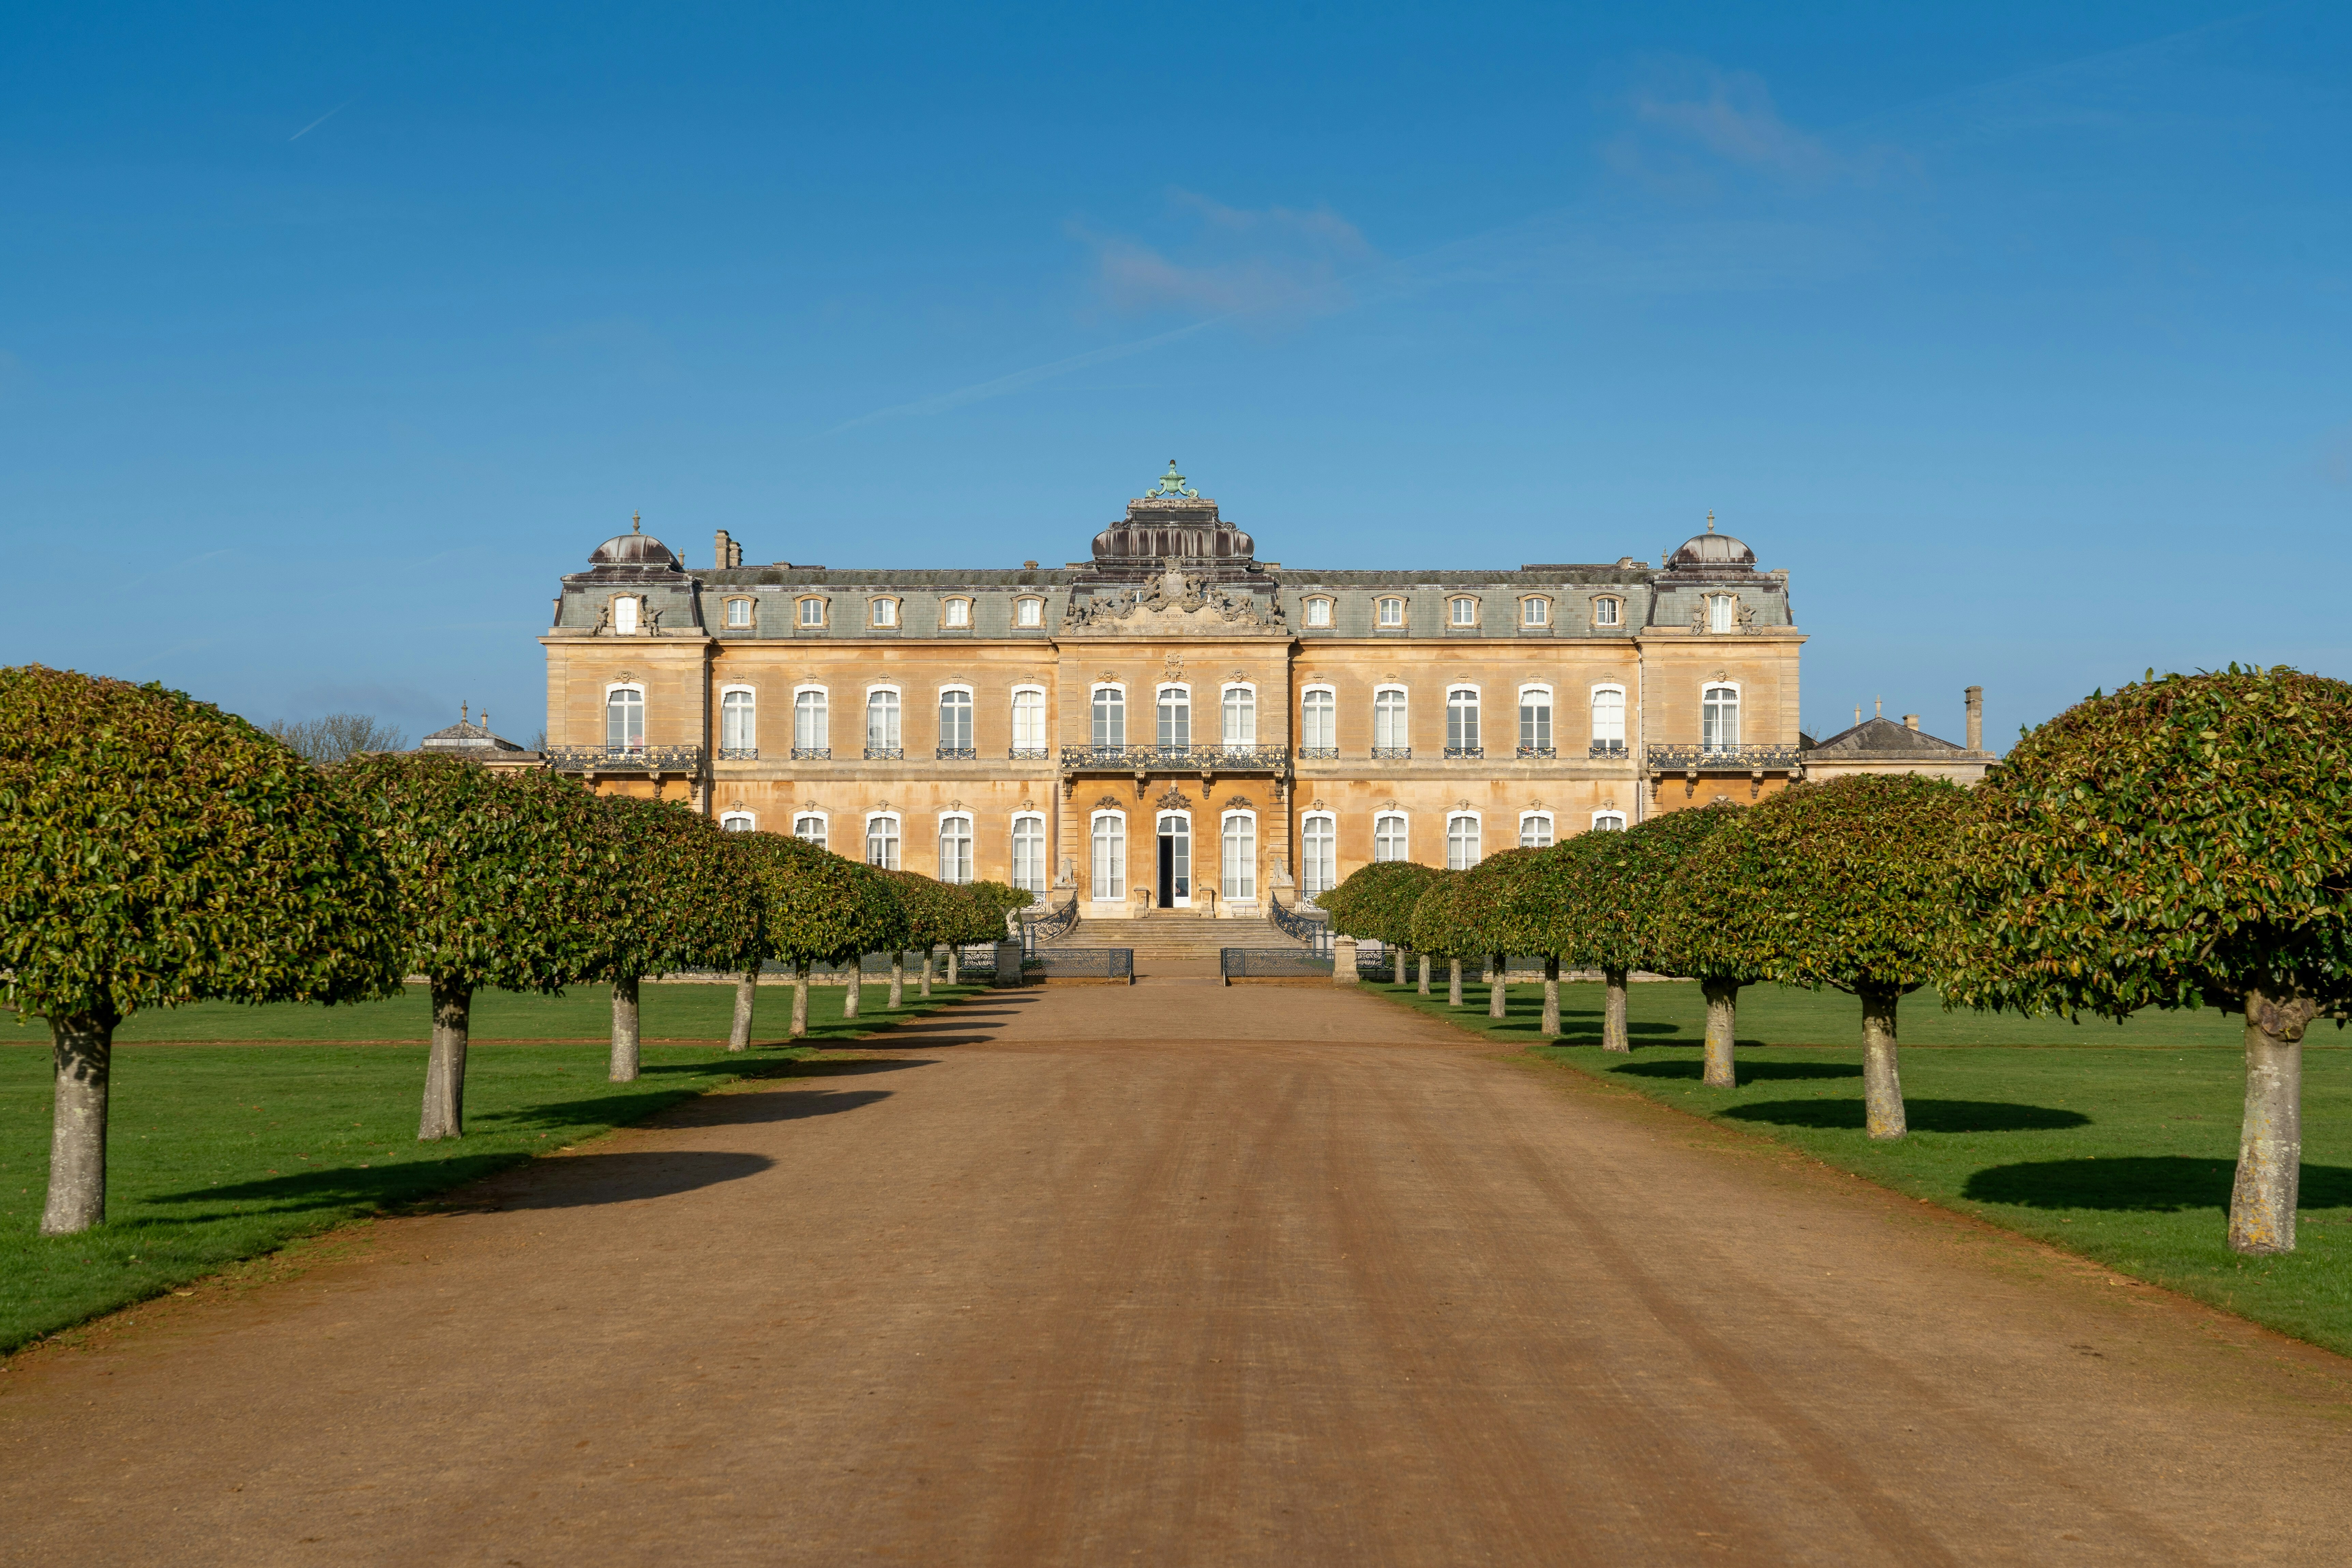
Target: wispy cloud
(322,120)
(1232,260)
(1691,121)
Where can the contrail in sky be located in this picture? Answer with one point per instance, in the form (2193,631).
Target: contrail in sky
(322,120)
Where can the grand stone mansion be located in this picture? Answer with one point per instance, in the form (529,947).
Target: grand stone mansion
(1174,722)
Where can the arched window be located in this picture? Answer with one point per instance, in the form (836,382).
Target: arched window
(1175,719)
(1318,854)
(624,615)
(1109,719)
(737,822)
(1608,822)
(809,727)
(1463,612)
(1390,737)
(886,612)
(955,848)
(1318,612)
(1535,612)
(809,826)
(1389,838)
(1718,719)
(1535,720)
(1535,829)
(811,612)
(1608,721)
(1720,611)
(1110,856)
(1240,720)
(1391,612)
(955,721)
(882,723)
(1029,724)
(1240,870)
(956,615)
(625,719)
(1607,612)
(882,840)
(739,730)
(1462,722)
(1029,853)
(1029,612)
(1318,722)
(739,611)
(1462,850)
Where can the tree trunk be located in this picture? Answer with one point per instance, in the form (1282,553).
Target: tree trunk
(855,988)
(1882,1083)
(929,953)
(444,1069)
(1453,982)
(955,963)
(1499,988)
(800,998)
(83,1048)
(747,992)
(1424,974)
(2270,1144)
(1551,999)
(1399,966)
(1722,1025)
(1613,1035)
(897,980)
(625,1030)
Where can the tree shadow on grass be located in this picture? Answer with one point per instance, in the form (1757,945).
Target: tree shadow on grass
(2140,1183)
(1920,1115)
(1749,1072)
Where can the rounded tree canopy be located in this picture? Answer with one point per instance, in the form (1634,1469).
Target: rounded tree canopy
(935,911)
(1437,923)
(155,850)
(1655,864)
(1843,884)
(1501,904)
(992,903)
(501,877)
(1377,900)
(679,897)
(821,908)
(2184,839)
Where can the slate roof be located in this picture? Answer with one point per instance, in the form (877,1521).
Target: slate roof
(1883,737)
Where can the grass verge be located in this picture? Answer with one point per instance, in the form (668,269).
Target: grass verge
(220,1152)
(2117,1144)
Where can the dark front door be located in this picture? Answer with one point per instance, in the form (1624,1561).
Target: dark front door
(1166,870)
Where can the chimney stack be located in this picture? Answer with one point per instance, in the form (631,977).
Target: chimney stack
(1975,718)
(1911,721)
(726,552)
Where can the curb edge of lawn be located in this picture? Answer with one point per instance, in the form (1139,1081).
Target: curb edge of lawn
(1522,1058)
(254,1269)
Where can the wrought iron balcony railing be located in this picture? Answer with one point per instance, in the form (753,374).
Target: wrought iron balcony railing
(957,754)
(1724,759)
(625,759)
(811,753)
(1318,754)
(1453,752)
(885,754)
(1190,759)
(1609,747)
(1028,755)
(739,754)
(1539,751)
(1391,753)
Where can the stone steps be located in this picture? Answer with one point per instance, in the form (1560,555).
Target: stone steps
(1168,937)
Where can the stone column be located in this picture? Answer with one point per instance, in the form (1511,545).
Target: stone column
(1008,964)
(1343,961)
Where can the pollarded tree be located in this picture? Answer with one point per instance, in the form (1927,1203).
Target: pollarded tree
(1845,884)
(1660,859)
(936,912)
(154,850)
(1437,927)
(678,898)
(993,905)
(818,908)
(1504,899)
(2185,841)
(501,881)
(1377,902)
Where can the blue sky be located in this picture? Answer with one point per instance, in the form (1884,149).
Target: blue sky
(328,342)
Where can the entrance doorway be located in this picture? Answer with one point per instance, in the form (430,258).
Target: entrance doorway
(1175,861)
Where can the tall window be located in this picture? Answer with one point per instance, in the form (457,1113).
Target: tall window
(1535,718)
(1318,860)
(811,612)
(1028,721)
(1240,723)
(624,615)
(1387,721)
(739,611)
(1718,612)
(1605,611)
(1318,612)
(1029,853)
(956,613)
(1175,719)
(625,720)
(1462,719)
(1464,612)
(1241,858)
(810,826)
(1608,822)
(1391,612)
(1389,836)
(1029,612)
(955,849)
(1718,719)
(881,722)
(1319,714)
(1110,718)
(739,730)
(1461,842)
(1110,856)
(1607,719)
(882,842)
(955,720)
(1534,830)
(809,727)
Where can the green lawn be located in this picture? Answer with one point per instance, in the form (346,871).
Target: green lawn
(222,1153)
(2116,1141)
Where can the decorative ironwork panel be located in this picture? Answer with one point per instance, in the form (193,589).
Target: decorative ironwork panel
(739,754)
(957,754)
(1080,962)
(1543,751)
(1464,752)
(1724,759)
(1272,963)
(1610,748)
(1318,754)
(625,759)
(1391,753)
(885,754)
(1028,755)
(811,753)
(1315,933)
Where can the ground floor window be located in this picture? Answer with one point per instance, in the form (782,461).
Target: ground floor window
(1110,856)
(1388,837)
(1241,858)
(1461,843)
(810,826)
(737,822)
(1534,830)
(882,842)
(1317,856)
(955,849)
(1029,853)
(1608,822)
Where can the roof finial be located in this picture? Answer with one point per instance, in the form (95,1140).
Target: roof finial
(462,710)
(1172,485)
(1710,520)
(1878,707)
(635,518)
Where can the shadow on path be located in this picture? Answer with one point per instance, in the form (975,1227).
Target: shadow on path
(579,1181)
(2144,1183)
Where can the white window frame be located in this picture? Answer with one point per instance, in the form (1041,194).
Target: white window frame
(1608,821)
(824,717)
(1095,877)
(1477,839)
(629,607)
(1535,610)
(1403,819)
(1315,612)
(971,713)
(1224,694)
(1028,613)
(1550,829)
(800,617)
(1180,820)
(882,612)
(743,605)
(728,821)
(1226,889)
(948,607)
(1739,701)
(1040,876)
(1044,739)
(1592,708)
(1330,694)
(643,706)
(1550,737)
(1457,603)
(1092,692)
(823,820)
(1158,698)
(1614,603)
(1722,613)
(1309,889)
(745,742)
(1381,606)
(1404,715)
(898,712)
(1475,736)
(897,840)
(955,876)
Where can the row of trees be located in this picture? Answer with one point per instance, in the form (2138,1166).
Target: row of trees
(154,850)
(2184,842)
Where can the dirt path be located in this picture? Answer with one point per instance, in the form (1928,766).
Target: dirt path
(1303,1278)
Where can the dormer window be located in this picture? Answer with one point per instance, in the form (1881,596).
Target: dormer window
(739,611)
(1535,612)
(624,617)
(1463,612)
(1391,612)
(886,612)
(956,615)
(811,612)
(1029,612)
(1721,609)
(1607,612)
(1318,612)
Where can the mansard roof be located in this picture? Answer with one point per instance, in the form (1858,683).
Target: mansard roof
(1882,736)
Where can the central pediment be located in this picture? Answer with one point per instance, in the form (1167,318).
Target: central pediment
(1174,606)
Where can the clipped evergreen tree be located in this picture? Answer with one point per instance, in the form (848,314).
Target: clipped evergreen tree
(1377,902)
(818,908)
(2185,841)
(1845,884)
(1438,927)
(155,850)
(1503,899)
(994,906)
(502,882)
(1655,863)
(678,899)
(936,912)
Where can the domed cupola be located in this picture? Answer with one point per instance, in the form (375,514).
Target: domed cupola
(635,548)
(1713,548)
(1173,522)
